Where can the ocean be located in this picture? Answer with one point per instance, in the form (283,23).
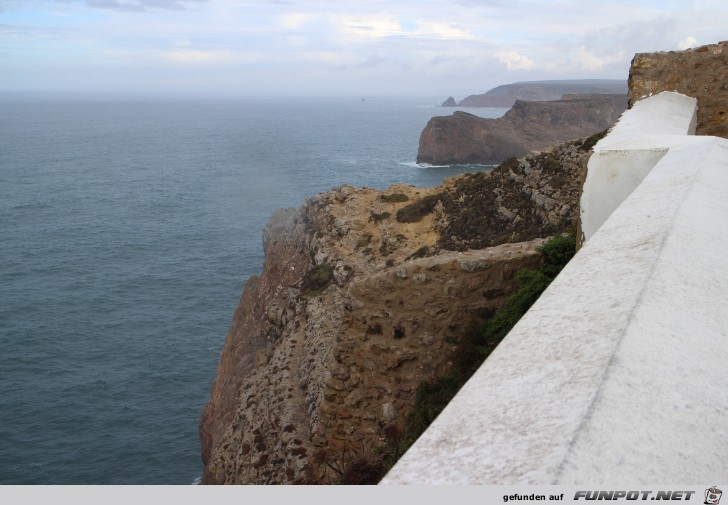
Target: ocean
(127,231)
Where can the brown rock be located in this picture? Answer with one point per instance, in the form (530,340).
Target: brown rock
(529,126)
(701,73)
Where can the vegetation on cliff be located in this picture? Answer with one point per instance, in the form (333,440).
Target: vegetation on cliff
(317,279)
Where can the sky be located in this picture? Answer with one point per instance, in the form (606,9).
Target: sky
(221,48)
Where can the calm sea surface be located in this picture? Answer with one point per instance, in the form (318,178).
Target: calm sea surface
(127,231)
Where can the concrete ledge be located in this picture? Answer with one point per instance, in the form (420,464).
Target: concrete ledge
(632,148)
(618,373)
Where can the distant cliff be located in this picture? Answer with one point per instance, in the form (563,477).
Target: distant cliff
(365,295)
(540,91)
(463,138)
(701,73)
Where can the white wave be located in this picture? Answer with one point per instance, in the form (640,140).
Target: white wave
(197,481)
(414,164)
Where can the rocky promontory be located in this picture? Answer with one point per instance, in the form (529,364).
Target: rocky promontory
(463,138)
(540,91)
(365,295)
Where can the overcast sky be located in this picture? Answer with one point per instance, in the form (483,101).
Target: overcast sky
(317,47)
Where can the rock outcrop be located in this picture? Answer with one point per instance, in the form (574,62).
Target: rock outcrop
(540,91)
(363,296)
(463,138)
(701,73)
(450,102)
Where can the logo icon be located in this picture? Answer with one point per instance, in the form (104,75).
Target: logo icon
(712,496)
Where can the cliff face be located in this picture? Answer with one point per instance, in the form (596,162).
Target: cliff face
(529,126)
(701,73)
(540,91)
(363,296)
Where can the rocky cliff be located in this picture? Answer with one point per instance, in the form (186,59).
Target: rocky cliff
(540,91)
(701,73)
(463,138)
(366,294)
(363,296)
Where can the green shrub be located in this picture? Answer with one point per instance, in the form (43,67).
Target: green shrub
(394,198)
(375,218)
(592,140)
(557,252)
(415,211)
(317,279)
(551,163)
(419,253)
(362,471)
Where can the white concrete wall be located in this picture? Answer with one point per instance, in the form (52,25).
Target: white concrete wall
(619,373)
(633,147)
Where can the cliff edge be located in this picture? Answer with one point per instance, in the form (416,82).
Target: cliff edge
(365,295)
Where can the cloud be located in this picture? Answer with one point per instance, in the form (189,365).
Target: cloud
(335,58)
(383,26)
(294,20)
(197,57)
(687,43)
(138,5)
(440,58)
(14,31)
(515,61)
(442,31)
(445,46)
(371,62)
(368,27)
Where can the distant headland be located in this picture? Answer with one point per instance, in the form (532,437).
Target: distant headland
(507,94)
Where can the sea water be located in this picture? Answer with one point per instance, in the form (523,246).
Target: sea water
(127,231)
